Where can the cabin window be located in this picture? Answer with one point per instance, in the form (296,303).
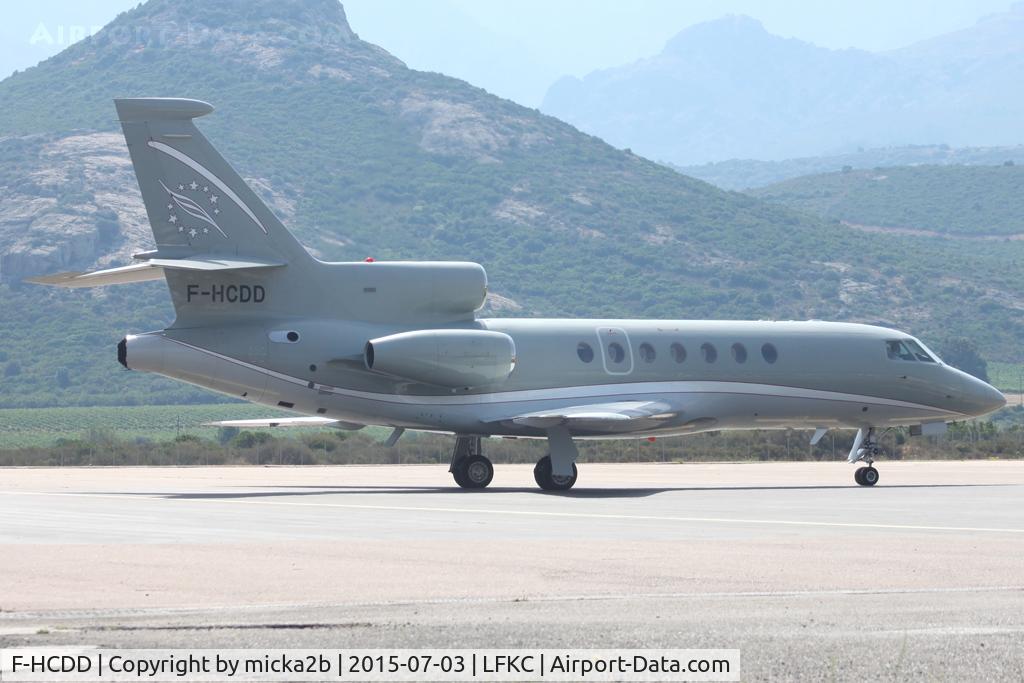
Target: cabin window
(708,352)
(769,353)
(917,348)
(616,353)
(739,353)
(647,353)
(585,352)
(678,352)
(898,350)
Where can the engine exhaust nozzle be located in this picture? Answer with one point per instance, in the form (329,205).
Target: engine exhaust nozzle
(122,352)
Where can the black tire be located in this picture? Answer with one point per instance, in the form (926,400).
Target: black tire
(858,475)
(547,481)
(869,476)
(457,476)
(474,472)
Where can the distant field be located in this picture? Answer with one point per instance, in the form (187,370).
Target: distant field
(21,427)
(1006,376)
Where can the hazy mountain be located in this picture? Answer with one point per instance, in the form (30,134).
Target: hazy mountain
(740,174)
(728,89)
(363,156)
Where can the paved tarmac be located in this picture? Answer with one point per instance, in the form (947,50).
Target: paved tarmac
(809,575)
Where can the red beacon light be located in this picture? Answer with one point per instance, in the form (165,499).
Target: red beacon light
(369,259)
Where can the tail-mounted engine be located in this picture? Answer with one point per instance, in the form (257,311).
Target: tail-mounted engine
(447,358)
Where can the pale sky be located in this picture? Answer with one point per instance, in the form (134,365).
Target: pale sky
(517,48)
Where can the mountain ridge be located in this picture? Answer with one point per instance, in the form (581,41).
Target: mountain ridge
(729,89)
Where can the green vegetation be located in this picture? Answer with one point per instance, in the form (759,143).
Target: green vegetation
(965,441)
(25,427)
(1007,377)
(741,174)
(951,200)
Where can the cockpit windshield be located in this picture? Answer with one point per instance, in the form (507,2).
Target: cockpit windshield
(908,349)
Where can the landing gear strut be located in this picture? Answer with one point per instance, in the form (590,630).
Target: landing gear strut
(469,468)
(865,449)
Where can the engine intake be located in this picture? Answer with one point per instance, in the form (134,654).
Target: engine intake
(446,358)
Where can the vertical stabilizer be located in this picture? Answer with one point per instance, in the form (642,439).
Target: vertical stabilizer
(198,206)
(197,203)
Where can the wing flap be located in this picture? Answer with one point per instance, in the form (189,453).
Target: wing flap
(617,417)
(304,421)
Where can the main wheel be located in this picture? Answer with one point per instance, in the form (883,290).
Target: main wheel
(474,472)
(858,475)
(550,482)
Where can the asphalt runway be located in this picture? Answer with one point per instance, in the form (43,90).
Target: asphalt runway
(809,575)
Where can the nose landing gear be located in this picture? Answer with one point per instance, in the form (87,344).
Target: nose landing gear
(865,449)
(866,476)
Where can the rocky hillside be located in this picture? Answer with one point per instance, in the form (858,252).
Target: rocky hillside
(363,156)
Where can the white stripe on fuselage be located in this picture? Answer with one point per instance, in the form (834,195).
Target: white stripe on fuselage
(586,391)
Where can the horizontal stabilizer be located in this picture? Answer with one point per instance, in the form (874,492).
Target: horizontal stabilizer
(287,422)
(152,269)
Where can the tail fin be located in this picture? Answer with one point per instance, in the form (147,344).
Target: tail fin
(197,203)
(200,208)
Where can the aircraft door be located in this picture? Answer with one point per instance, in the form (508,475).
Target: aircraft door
(616,352)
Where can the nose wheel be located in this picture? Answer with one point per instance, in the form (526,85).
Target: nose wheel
(865,449)
(866,476)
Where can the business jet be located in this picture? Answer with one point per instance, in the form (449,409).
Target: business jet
(400,344)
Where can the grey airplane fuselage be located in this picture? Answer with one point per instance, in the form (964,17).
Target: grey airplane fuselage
(709,375)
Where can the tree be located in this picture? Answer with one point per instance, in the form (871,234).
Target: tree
(63,377)
(962,354)
(226,434)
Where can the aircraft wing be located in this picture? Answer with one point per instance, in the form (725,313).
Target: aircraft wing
(610,417)
(302,421)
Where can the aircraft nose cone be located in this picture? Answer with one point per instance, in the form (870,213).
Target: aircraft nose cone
(984,397)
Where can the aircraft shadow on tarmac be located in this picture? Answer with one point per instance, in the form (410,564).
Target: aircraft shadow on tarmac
(303,491)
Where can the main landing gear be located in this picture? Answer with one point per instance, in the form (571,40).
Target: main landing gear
(552,482)
(469,467)
(865,449)
(554,472)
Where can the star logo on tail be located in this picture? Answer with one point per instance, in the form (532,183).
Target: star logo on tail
(193,211)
